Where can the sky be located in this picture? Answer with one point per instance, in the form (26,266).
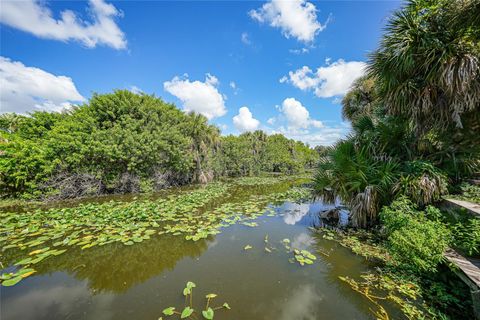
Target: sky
(279,66)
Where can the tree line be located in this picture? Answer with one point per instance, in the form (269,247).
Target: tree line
(125,142)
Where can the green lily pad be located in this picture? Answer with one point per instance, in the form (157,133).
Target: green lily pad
(208,314)
(12,282)
(168,311)
(187,312)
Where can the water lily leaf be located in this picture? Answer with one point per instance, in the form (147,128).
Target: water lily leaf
(187,291)
(24,261)
(38,251)
(226,306)
(247,247)
(11,282)
(208,314)
(210,296)
(191,285)
(187,312)
(168,311)
(268,250)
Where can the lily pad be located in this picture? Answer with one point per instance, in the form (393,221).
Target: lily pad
(169,311)
(12,282)
(187,312)
(208,314)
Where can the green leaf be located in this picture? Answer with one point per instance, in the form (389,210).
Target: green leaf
(168,311)
(208,314)
(210,296)
(247,247)
(187,312)
(191,285)
(226,306)
(11,282)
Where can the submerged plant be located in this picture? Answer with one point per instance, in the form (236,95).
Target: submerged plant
(188,312)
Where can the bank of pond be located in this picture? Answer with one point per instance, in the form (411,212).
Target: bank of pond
(249,248)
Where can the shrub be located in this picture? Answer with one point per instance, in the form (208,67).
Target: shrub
(414,242)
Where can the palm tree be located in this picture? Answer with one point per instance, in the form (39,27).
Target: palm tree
(10,121)
(205,139)
(428,63)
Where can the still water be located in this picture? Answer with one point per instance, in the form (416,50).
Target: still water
(139,281)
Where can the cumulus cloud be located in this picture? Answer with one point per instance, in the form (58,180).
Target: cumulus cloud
(197,96)
(136,90)
(324,136)
(331,80)
(34,17)
(296,18)
(297,115)
(244,120)
(24,89)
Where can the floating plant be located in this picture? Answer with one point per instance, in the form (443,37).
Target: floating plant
(43,234)
(188,311)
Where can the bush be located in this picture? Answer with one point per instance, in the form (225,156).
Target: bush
(414,242)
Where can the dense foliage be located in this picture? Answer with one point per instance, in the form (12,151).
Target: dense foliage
(414,241)
(416,125)
(125,142)
(415,114)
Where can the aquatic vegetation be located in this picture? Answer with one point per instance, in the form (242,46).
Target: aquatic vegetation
(418,296)
(304,257)
(48,233)
(188,311)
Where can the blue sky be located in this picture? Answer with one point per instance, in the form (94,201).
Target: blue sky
(280,66)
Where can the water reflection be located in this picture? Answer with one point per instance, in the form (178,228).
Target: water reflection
(302,241)
(308,214)
(294,212)
(302,304)
(57,301)
(137,282)
(115,267)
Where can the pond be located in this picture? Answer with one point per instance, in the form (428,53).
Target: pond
(250,264)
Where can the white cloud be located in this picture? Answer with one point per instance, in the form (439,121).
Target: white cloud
(271,121)
(197,96)
(332,80)
(297,115)
(34,17)
(246,39)
(299,51)
(136,90)
(24,89)
(244,121)
(324,136)
(296,18)
(234,87)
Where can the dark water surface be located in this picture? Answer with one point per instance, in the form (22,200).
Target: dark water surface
(137,282)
